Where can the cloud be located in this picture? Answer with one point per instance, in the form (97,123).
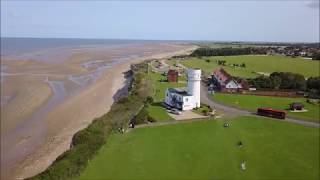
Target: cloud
(315,4)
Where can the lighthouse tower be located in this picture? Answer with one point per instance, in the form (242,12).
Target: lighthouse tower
(194,79)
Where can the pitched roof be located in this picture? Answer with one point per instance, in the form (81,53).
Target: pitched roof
(222,75)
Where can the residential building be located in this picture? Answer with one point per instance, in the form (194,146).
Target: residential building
(224,81)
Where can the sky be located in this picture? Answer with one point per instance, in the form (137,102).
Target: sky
(229,20)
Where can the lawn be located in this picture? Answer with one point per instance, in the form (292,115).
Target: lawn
(207,150)
(252,102)
(156,110)
(254,64)
(160,85)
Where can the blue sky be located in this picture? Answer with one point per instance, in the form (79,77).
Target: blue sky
(239,20)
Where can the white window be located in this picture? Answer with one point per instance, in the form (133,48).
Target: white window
(186,99)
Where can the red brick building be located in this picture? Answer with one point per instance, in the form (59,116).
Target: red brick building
(172,75)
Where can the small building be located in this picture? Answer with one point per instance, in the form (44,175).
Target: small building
(186,98)
(224,82)
(172,75)
(179,98)
(296,106)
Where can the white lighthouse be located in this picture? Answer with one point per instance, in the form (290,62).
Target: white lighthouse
(186,98)
(194,79)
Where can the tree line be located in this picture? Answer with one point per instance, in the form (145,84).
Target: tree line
(288,80)
(226,51)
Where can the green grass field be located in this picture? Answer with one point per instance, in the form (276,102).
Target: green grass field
(252,102)
(156,111)
(207,150)
(254,64)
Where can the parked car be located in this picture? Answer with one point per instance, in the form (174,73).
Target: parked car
(175,111)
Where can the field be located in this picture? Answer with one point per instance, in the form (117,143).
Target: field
(207,150)
(252,102)
(156,110)
(255,65)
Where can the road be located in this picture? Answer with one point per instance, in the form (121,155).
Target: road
(233,112)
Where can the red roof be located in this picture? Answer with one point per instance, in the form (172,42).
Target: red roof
(172,72)
(222,75)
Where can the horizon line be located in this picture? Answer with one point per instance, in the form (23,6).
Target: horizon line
(185,40)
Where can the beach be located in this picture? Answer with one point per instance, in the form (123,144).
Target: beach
(44,103)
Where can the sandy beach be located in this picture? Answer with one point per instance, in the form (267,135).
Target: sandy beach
(46,103)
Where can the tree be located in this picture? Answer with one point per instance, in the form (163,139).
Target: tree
(316,56)
(276,82)
(313,87)
(222,62)
(288,80)
(313,83)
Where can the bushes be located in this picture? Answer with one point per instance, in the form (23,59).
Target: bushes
(86,143)
(316,56)
(204,110)
(149,100)
(313,83)
(143,116)
(313,86)
(280,80)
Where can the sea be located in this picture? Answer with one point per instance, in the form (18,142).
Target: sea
(11,47)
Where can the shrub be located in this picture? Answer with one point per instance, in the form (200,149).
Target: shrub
(205,112)
(151,119)
(149,100)
(142,117)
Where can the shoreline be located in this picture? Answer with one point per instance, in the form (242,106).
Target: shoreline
(58,142)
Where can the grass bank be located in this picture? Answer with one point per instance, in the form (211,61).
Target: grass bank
(207,150)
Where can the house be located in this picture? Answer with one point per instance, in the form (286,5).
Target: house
(185,98)
(224,82)
(172,75)
(179,98)
(296,106)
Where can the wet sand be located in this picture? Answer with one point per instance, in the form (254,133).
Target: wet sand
(46,103)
